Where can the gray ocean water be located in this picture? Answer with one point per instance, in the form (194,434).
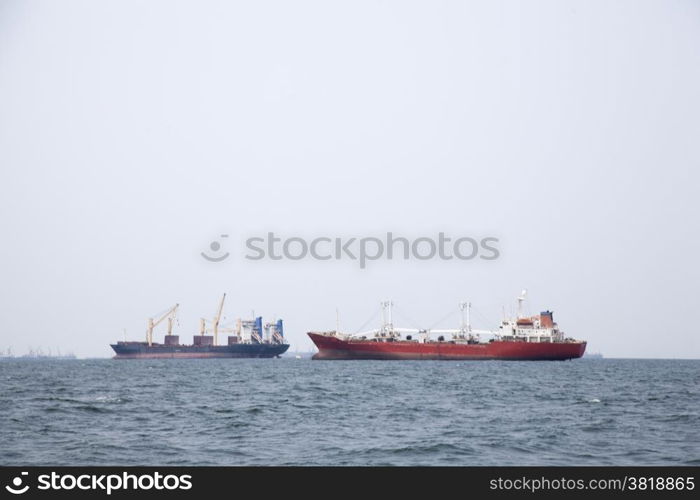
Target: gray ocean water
(302,412)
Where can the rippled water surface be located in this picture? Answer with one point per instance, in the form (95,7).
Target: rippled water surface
(302,412)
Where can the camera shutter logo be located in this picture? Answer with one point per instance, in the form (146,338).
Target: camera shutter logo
(16,488)
(215,246)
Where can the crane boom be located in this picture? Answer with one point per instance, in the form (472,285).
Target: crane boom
(170,313)
(217,319)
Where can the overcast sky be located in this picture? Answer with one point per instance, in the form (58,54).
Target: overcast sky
(132,134)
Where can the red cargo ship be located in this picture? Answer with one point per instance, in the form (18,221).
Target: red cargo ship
(522,338)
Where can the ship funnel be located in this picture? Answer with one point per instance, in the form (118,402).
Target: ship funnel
(547,319)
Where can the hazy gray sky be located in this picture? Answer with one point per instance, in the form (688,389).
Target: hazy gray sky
(133,133)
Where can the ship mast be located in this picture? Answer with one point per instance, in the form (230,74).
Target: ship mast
(387,328)
(521,299)
(465,327)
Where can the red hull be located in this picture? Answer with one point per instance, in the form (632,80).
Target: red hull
(334,348)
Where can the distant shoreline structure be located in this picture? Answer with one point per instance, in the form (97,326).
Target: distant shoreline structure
(36,354)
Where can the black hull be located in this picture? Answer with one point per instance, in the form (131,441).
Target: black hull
(139,350)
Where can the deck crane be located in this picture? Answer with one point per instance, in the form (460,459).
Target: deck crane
(217,319)
(215,322)
(170,315)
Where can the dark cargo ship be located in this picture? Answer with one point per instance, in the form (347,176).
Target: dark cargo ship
(131,350)
(250,339)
